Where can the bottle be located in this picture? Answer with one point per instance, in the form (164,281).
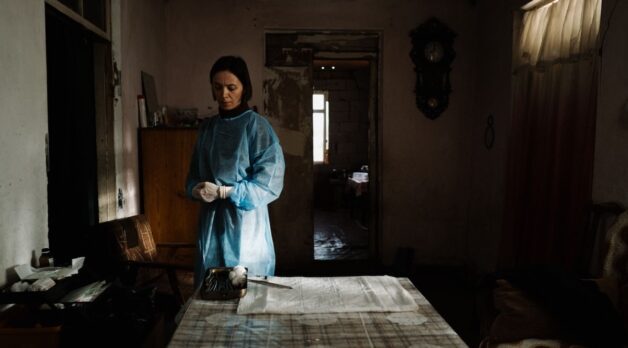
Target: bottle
(44,258)
(164,116)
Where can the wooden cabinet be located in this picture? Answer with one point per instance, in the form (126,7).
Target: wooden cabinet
(165,155)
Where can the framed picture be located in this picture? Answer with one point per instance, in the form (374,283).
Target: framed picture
(150,93)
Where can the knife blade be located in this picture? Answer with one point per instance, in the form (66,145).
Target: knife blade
(267,283)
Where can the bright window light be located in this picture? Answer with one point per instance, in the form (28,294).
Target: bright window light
(320,127)
(318,102)
(319,141)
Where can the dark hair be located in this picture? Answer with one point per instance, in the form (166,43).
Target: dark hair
(236,66)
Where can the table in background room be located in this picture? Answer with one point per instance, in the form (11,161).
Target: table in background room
(357,188)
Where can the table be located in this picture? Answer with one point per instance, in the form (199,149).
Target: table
(358,200)
(357,186)
(216,324)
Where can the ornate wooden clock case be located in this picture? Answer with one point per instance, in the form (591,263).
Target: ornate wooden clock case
(432,54)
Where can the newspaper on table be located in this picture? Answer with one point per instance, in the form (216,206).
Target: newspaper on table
(327,295)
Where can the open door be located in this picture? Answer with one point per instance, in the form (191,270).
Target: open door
(72,167)
(80,162)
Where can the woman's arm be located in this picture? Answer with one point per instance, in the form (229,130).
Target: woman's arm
(193,177)
(265,182)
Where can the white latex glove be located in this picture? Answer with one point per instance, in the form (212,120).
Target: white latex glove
(224,191)
(206,191)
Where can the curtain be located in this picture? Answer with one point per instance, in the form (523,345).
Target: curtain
(550,165)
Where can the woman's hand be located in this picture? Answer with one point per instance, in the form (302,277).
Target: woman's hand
(206,191)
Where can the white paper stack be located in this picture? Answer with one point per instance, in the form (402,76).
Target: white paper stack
(327,295)
(26,272)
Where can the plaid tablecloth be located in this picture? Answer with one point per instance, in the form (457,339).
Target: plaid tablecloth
(216,324)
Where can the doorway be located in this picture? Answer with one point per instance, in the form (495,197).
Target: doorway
(340,120)
(319,191)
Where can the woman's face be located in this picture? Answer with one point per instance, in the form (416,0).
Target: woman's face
(227,90)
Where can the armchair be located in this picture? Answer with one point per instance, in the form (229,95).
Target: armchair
(125,249)
(542,306)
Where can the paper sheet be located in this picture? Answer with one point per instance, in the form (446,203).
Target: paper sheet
(327,295)
(26,272)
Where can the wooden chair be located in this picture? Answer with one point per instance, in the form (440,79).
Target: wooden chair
(125,249)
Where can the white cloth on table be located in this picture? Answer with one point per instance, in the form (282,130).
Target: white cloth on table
(327,295)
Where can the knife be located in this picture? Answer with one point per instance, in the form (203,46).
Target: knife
(267,283)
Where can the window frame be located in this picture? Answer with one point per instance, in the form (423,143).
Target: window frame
(325,111)
(79,17)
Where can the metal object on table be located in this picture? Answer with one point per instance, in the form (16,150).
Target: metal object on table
(271,284)
(217,285)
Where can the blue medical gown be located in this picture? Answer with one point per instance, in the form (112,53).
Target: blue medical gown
(243,152)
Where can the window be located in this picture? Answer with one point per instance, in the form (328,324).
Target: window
(320,127)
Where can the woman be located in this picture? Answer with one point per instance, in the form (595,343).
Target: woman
(236,170)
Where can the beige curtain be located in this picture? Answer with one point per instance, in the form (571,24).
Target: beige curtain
(550,165)
(560,31)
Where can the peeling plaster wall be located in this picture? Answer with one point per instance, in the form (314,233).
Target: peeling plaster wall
(425,164)
(23,125)
(288,103)
(143,33)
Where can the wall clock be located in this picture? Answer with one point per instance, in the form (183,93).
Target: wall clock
(432,54)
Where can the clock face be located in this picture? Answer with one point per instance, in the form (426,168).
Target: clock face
(433,51)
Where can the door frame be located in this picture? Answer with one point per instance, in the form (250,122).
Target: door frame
(349,44)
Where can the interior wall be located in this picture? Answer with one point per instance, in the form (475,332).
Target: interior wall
(610,174)
(492,98)
(23,127)
(423,159)
(424,183)
(610,182)
(143,47)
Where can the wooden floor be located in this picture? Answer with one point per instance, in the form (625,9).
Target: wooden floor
(339,236)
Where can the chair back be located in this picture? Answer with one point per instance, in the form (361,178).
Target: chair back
(133,236)
(595,242)
(116,241)
(616,263)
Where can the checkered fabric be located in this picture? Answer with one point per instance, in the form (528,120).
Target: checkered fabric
(135,238)
(216,324)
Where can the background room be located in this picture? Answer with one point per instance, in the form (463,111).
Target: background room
(372,185)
